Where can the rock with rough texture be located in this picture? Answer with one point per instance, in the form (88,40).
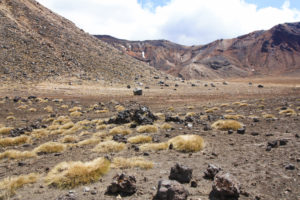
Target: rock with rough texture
(122,184)
(137,91)
(170,190)
(181,173)
(211,171)
(225,186)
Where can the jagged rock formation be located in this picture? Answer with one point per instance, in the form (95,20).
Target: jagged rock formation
(272,52)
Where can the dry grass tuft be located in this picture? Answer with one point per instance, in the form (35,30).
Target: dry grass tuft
(22,107)
(5,130)
(74,109)
(32,109)
(69,139)
(75,114)
(154,146)
(269,116)
(90,141)
(12,141)
(124,163)
(161,116)
(187,143)
(101,127)
(72,174)
(211,110)
(224,105)
(102,111)
(229,111)
(48,109)
(10,118)
(67,125)
(62,120)
(226,125)
(288,112)
(14,154)
(243,105)
(50,147)
(166,126)
(9,185)
(120,130)
(139,139)
(119,108)
(38,133)
(261,106)
(147,129)
(236,103)
(64,106)
(190,114)
(171,108)
(109,146)
(234,117)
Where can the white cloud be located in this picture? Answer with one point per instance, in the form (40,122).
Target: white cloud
(182,21)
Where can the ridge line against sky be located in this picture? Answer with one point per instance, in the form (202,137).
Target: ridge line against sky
(187,22)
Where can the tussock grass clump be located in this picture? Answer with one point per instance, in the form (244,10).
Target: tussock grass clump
(139,139)
(225,125)
(190,114)
(32,109)
(67,125)
(109,146)
(161,116)
(229,111)
(5,130)
(147,129)
(50,147)
(243,105)
(187,143)
(22,107)
(90,141)
(261,106)
(69,139)
(62,120)
(10,118)
(48,109)
(154,146)
(72,174)
(224,105)
(8,186)
(288,112)
(97,121)
(119,108)
(75,114)
(234,117)
(12,141)
(171,108)
(74,109)
(190,107)
(38,133)
(236,103)
(211,110)
(123,163)
(64,106)
(40,100)
(166,126)
(73,130)
(102,111)
(14,154)
(101,127)
(120,130)
(269,116)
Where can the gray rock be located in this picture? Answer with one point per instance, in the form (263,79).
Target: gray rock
(170,190)
(211,171)
(138,91)
(225,186)
(181,173)
(122,184)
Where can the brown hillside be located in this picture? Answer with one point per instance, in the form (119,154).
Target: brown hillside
(37,44)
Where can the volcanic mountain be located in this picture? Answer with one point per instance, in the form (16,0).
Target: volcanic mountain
(37,44)
(273,52)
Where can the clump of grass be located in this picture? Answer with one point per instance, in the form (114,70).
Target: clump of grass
(67,125)
(147,129)
(101,127)
(75,114)
(14,154)
(123,163)
(190,114)
(10,118)
(40,100)
(226,125)
(5,130)
(154,146)
(119,108)
(74,109)
(62,120)
(32,109)
(229,111)
(211,110)
(139,139)
(74,129)
(236,103)
(12,141)
(22,107)
(224,105)
(288,112)
(8,186)
(187,143)
(102,111)
(261,106)
(120,130)
(38,133)
(72,174)
(48,109)
(269,116)
(109,146)
(50,147)
(161,116)
(171,108)
(90,141)
(166,126)
(243,105)
(64,106)
(234,117)
(69,139)
(98,121)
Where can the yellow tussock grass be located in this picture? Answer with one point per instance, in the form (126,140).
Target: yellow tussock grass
(166,126)
(123,163)
(85,133)
(161,116)
(253,116)
(73,130)
(50,147)
(62,120)
(235,117)
(211,110)
(119,108)
(100,134)
(67,125)
(261,106)
(147,129)
(22,107)
(236,103)
(225,125)
(269,116)
(14,154)
(90,141)
(69,139)
(75,114)
(139,139)
(64,106)
(74,109)
(12,141)
(8,186)
(244,105)
(102,111)
(109,146)
(10,118)
(190,107)
(72,174)
(47,120)
(40,100)
(187,143)
(288,112)
(101,127)
(171,108)
(224,105)
(229,111)
(48,109)
(38,133)
(32,109)
(5,130)
(190,114)
(154,146)
(98,121)
(120,130)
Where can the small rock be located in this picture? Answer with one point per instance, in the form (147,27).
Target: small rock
(225,186)
(254,133)
(86,189)
(297,135)
(260,86)
(194,184)
(181,173)
(290,167)
(170,190)
(255,119)
(241,130)
(122,184)
(93,192)
(137,91)
(230,131)
(211,171)
(128,86)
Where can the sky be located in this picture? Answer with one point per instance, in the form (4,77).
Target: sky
(187,22)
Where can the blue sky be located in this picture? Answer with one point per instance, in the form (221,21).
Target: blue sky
(188,22)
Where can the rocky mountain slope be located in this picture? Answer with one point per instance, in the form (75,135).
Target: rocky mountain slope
(37,44)
(272,52)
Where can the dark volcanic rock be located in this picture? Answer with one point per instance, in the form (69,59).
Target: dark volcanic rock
(120,138)
(170,190)
(181,173)
(211,171)
(137,91)
(225,187)
(169,118)
(122,184)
